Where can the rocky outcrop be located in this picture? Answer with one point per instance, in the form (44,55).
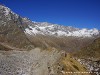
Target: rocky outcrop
(92,65)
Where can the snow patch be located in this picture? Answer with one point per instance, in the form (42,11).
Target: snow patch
(49,30)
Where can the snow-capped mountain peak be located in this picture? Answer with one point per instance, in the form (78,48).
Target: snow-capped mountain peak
(7,12)
(5,9)
(45,28)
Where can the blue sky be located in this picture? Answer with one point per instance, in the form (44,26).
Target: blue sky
(76,13)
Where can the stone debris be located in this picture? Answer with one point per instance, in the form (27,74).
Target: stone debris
(34,62)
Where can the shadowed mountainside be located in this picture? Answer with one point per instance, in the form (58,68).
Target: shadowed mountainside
(92,50)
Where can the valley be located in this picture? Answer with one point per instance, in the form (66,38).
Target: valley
(42,48)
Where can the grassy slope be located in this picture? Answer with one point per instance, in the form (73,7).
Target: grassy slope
(71,65)
(92,50)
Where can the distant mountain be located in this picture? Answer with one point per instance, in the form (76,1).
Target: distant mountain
(45,28)
(21,32)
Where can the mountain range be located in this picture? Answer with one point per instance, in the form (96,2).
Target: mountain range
(42,48)
(23,26)
(46,28)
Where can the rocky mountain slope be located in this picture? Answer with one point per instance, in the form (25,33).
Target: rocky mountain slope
(92,50)
(11,30)
(90,56)
(37,62)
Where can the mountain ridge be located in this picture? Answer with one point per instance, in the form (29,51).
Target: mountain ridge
(46,28)
(38,51)
(11,29)
(15,29)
